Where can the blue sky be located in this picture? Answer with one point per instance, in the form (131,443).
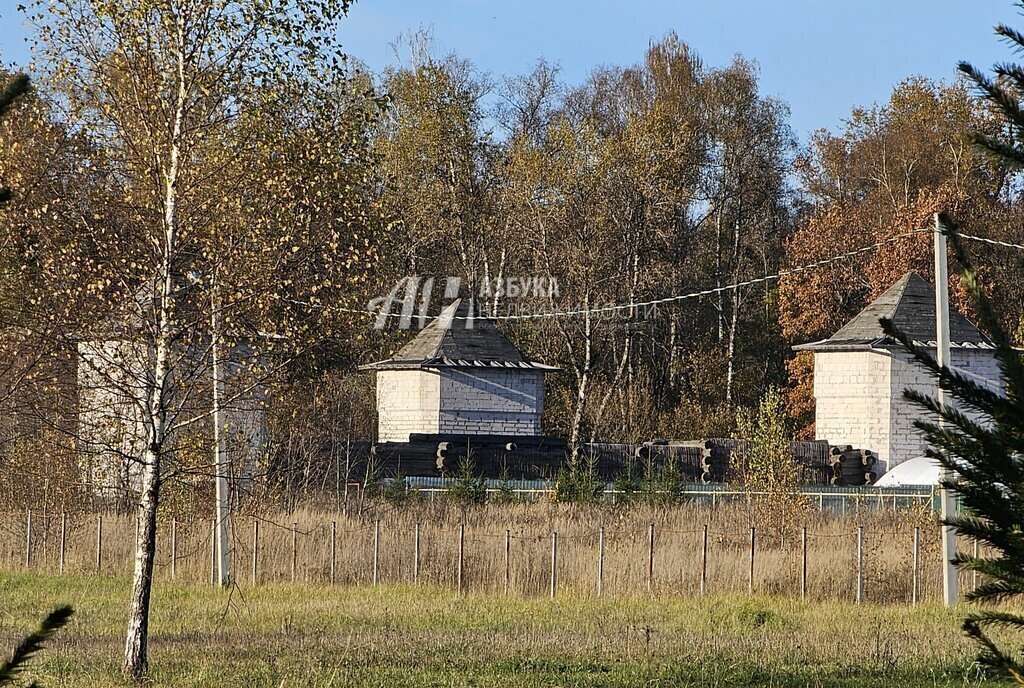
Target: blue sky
(820,56)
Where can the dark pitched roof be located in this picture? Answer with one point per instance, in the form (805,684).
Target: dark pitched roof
(458,338)
(910,304)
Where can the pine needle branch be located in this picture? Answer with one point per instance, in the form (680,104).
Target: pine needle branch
(28,647)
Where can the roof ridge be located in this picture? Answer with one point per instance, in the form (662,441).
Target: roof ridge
(462,335)
(909,304)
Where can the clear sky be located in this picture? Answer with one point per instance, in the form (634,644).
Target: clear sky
(820,56)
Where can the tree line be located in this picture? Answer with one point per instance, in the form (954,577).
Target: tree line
(195,182)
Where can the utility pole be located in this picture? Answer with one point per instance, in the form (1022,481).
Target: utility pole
(220,460)
(950,594)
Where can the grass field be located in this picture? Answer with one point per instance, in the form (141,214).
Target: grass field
(399,635)
(305,554)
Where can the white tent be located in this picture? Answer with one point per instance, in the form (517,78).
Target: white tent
(920,471)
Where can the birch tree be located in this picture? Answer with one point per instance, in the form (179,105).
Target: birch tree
(166,91)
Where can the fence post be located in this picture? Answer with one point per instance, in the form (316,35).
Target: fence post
(750,574)
(803,563)
(462,553)
(46,531)
(174,546)
(650,559)
(63,540)
(600,563)
(508,559)
(255,551)
(28,540)
(376,551)
(99,543)
(295,548)
(334,551)
(916,559)
(704,561)
(554,563)
(974,573)
(416,555)
(860,564)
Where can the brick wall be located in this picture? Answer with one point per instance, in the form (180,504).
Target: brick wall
(905,440)
(851,392)
(859,398)
(491,401)
(464,401)
(407,401)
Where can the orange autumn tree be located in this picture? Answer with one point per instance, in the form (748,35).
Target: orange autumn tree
(891,169)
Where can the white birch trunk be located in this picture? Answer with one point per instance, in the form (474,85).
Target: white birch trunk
(137,641)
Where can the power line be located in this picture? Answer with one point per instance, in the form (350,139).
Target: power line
(611,308)
(653,302)
(994,242)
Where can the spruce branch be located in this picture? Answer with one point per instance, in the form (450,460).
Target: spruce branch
(32,644)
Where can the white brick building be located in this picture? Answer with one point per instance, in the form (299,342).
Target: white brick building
(860,373)
(459,376)
(114,362)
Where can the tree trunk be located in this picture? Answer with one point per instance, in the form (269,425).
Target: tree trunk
(584,380)
(733,327)
(734,317)
(137,641)
(136,646)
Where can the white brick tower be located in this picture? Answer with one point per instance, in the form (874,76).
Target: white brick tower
(860,373)
(459,376)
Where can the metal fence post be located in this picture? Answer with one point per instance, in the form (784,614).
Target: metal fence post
(416,555)
(462,554)
(916,585)
(750,575)
(704,561)
(860,564)
(334,552)
(376,551)
(174,547)
(600,563)
(63,540)
(650,559)
(554,563)
(974,573)
(295,549)
(803,563)
(99,543)
(508,557)
(213,552)
(255,551)
(28,540)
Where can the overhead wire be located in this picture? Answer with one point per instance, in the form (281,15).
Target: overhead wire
(633,305)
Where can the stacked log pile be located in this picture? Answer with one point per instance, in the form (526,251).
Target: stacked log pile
(519,457)
(709,460)
(852,466)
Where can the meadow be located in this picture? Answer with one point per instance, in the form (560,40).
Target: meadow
(398,619)
(508,548)
(399,635)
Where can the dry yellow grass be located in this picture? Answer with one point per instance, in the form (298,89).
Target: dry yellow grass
(832,548)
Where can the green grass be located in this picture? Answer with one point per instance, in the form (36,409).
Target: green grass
(403,636)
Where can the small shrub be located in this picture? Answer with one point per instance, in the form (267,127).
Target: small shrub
(579,483)
(467,487)
(397,491)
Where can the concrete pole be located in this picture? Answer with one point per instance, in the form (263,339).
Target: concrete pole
(948,503)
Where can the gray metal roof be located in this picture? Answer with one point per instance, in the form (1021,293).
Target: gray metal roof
(910,304)
(459,338)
